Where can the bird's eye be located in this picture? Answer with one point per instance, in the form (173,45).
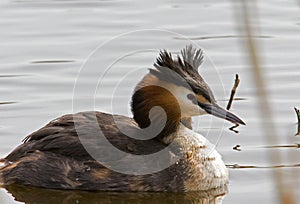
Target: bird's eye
(192,98)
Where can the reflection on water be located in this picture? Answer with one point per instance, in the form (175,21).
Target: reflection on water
(220,37)
(237,166)
(7,102)
(51,61)
(30,195)
(297,145)
(233,128)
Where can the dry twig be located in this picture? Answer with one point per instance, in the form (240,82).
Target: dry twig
(233,90)
(298,116)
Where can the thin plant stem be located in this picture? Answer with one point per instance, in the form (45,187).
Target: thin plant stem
(285,193)
(233,91)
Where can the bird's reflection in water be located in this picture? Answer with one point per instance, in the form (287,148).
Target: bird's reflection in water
(31,195)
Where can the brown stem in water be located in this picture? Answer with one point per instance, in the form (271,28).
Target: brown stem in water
(233,90)
(298,116)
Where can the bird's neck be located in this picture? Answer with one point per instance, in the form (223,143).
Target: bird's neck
(157,111)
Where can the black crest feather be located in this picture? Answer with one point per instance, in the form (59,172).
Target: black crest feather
(182,70)
(192,57)
(189,61)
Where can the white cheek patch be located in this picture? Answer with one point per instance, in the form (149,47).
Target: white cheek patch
(187,106)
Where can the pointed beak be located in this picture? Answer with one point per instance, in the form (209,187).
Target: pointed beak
(220,112)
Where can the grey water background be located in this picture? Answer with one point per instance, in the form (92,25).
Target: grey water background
(45,45)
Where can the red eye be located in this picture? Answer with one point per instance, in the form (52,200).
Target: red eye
(192,98)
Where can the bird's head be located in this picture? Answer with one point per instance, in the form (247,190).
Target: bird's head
(176,86)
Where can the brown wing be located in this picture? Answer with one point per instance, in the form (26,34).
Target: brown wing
(53,157)
(60,136)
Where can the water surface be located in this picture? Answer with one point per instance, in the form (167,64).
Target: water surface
(44,45)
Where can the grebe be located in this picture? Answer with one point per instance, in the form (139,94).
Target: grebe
(54,156)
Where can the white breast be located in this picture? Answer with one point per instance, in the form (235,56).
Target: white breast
(207,169)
